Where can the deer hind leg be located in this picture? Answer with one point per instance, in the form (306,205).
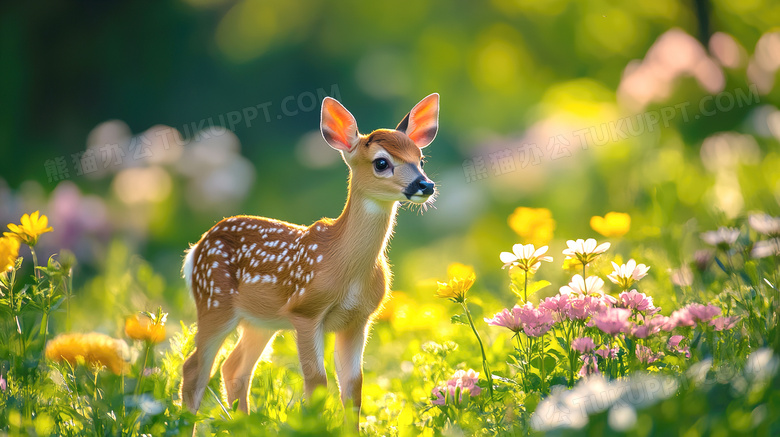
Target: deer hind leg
(212,332)
(240,364)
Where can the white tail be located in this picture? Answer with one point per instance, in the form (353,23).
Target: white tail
(331,276)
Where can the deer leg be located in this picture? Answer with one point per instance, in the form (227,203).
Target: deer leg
(197,368)
(349,367)
(310,341)
(240,364)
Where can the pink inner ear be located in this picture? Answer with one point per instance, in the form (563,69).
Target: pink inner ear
(424,121)
(339,127)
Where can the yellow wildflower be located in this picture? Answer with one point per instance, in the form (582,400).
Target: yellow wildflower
(143,328)
(534,225)
(614,224)
(9,252)
(31,227)
(456,288)
(93,349)
(458,270)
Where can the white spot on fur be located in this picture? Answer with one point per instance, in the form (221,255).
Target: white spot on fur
(353,293)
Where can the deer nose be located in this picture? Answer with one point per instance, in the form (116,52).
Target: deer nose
(425,186)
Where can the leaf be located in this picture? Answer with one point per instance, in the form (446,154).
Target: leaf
(720,264)
(459,319)
(537,286)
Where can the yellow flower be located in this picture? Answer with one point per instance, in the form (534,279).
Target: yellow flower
(458,270)
(145,329)
(614,224)
(456,288)
(92,349)
(32,226)
(533,225)
(9,252)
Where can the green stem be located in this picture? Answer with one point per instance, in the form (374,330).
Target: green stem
(143,368)
(525,288)
(541,364)
(485,365)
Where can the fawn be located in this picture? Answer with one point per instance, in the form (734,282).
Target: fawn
(268,275)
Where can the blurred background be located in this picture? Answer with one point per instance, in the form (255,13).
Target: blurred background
(136,126)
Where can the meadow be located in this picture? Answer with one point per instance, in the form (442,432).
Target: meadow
(602,256)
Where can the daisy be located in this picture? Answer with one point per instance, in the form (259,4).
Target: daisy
(525,257)
(625,275)
(585,251)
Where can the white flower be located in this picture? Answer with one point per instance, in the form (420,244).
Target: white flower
(583,287)
(525,257)
(722,235)
(625,275)
(584,250)
(763,249)
(765,224)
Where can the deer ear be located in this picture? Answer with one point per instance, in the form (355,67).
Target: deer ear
(422,122)
(338,126)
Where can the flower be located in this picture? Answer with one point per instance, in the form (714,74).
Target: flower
(625,275)
(533,225)
(722,238)
(507,318)
(93,349)
(456,288)
(592,286)
(584,251)
(536,321)
(646,355)
(583,345)
(765,224)
(763,249)
(458,270)
(681,317)
(674,345)
(3,383)
(637,301)
(31,227)
(612,320)
(589,366)
(613,224)
(525,257)
(466,381)
(703,313)
(648,326)
(582,307)
(605,352)
(558,304)
(144,328)
(724,323)
(9,252)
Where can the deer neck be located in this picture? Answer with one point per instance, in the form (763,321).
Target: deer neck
(363,229)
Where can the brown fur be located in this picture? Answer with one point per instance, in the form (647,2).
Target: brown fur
(328,277)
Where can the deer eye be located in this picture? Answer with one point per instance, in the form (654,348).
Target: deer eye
(381,164)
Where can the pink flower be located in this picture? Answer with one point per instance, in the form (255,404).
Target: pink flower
(589,366)
(723,323)
(558,304)
(637,301)
(536,322)
(612,320)
(583,345)
(507,318)
(703,313)
(649,326)
(465,380)
(681,317)
(581,308)
(605,352)
(3,383)
(674,345)
(646,355)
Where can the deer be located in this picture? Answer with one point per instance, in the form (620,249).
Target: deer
(265,275)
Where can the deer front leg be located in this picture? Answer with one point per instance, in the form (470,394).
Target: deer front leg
(310,341)
(349,366)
